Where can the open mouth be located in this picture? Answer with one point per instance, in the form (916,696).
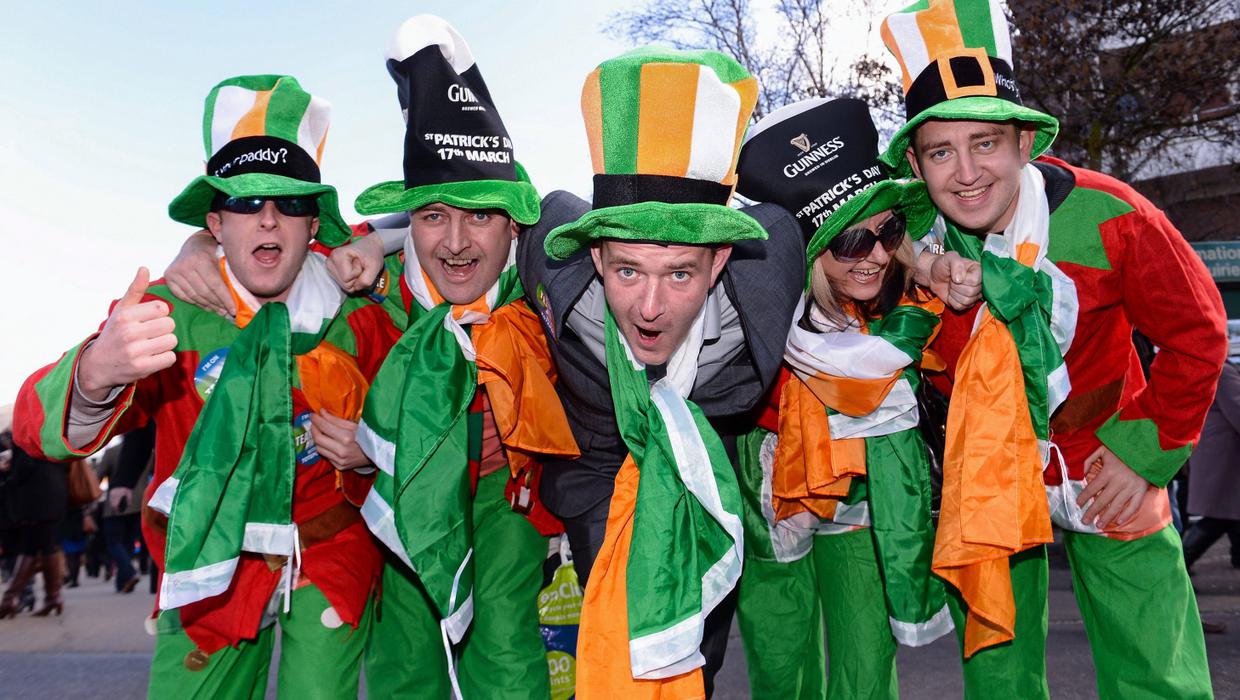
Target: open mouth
(648,336)
(869,276)
(267,254)
(459,269)
(973,195)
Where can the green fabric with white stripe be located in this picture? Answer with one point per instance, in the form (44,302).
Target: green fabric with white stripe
(686,546)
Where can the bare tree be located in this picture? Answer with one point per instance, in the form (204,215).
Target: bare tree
(1132,83)
(796,62)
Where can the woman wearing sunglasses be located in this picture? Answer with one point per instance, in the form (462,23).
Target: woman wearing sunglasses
(836,480)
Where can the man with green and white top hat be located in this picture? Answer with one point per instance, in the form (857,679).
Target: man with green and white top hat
(1051,418)
(665,309)
(249,520)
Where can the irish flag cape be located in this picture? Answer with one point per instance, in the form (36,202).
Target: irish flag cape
(414,427)
(1010,379)
(674,539)
(233,488)
(850,410)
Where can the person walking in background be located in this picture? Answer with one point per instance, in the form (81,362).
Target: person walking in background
(1213,484)
(124,465)
(36,496)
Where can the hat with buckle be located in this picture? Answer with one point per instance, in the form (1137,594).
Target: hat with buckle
(956,59)
(264,137)
(665,128)
(457,150)
(819,160)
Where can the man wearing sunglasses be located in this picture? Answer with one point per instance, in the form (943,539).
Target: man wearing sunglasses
(250,522)
(1051,418)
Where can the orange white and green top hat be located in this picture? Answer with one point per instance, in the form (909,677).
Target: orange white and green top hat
(665,128)
(457,150)
(956,59)
(263,136)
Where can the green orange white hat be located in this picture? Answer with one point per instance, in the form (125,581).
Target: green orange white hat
(819,160)
(956,59)
(457,150)
(665,129)
(264,137)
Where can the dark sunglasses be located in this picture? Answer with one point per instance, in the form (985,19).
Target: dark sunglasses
(288,206)
(855,244)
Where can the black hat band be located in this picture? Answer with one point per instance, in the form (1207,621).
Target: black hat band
(264,154)
(619,190)
(966,75)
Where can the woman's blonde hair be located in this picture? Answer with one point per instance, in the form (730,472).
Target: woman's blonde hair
(897,282)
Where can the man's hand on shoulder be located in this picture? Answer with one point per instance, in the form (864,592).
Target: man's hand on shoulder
(356,265)
(136,342)
(1115,488)
(194,276)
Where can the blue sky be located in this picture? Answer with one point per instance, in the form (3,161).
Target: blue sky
(100,126)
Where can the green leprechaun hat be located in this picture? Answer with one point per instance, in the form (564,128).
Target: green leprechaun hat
(665,128)
(956,57)
(264,137)
(457,150)
(819,160)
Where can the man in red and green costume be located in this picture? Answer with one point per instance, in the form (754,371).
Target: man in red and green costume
(250,518)
(464,403)
(1051,418)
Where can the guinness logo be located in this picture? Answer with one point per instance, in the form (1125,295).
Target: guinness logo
(801,142)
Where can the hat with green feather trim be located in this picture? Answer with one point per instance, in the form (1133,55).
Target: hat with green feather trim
(457,150)
(264,137)
(665,129)
(819,160)
(956,57)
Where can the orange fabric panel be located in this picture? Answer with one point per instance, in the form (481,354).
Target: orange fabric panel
(514,364)
(994,500)
(1027,253)
(318,152)
(254,122)
(852,397)
(331,379)
(747,89)
(940,29)
(668,103)
(603,668)
(811,471)
(592,110)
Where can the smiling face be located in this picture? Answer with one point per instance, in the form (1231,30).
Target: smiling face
(463,251)
(859,280)
(655,291)
(972,170)
(264,250)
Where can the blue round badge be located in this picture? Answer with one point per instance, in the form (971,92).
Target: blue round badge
(303,441)
(208,372)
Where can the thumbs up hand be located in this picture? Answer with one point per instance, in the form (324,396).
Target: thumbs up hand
(137,341)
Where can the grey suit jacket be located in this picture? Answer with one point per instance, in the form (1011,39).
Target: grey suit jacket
(762,279)
(1214,468)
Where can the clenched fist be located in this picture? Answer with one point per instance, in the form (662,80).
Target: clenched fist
(956,280)
(137,341)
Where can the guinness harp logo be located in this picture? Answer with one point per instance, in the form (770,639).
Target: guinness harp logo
(801,142)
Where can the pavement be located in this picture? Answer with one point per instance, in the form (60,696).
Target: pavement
(99,647)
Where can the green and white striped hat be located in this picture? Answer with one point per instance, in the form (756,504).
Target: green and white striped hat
(956,59)
(263,136)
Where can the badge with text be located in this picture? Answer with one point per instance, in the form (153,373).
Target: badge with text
(303,441)
(208,372)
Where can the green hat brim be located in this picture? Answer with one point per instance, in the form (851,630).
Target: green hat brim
(909,197)
(979,109)
(519,199)
(191,206)
(654,222)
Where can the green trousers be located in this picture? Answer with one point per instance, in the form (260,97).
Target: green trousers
(782,608)
(502,655)
(316,661)
(1140,616)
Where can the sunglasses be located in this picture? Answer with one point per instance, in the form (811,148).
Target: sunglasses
(853,245)
(288,206)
